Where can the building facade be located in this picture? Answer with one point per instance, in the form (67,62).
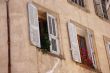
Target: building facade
(54,36)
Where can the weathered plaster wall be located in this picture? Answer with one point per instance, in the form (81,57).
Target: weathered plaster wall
(26,58)
(3,39)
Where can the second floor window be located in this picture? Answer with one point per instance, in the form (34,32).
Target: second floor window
(79,2)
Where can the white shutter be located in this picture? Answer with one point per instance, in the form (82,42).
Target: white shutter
(108,50)
(90,45)
(98,8)
(74,42)
(53,36)
(34,25)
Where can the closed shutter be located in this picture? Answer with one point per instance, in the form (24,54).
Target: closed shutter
(90,40)
(53,36)
(34,25)
(98,8)
(74,42)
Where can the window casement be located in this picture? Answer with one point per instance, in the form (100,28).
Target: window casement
(43,29)
(78,2)
(82,45)
(100,8)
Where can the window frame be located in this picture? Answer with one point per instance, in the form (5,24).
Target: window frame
(53,36)
(56,15)
(97,69)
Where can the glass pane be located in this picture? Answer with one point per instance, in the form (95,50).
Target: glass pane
(54,46)
(50,24)
(53,23)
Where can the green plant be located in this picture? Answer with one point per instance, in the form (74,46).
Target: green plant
(45,44)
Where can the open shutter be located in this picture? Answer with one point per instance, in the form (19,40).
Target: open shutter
(74,42)
(53,36)
(34,25)
(98,8)
(107,4)
(90,44)
(108,50)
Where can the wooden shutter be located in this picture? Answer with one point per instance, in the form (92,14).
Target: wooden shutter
(90,44)
(108,50)
(53,36)
(34,25)
(98,8)
(74,42)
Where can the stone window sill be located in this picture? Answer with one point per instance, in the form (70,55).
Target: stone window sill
(60,56)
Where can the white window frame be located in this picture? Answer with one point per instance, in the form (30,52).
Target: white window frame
(52,36)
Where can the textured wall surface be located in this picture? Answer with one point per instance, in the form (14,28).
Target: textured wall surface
(3,39)
(26,58)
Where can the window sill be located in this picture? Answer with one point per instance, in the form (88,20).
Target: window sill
(78,6)
(54,55)
(88,68)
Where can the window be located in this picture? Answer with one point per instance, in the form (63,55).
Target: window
(82,45)
(78,2)
(100,8)
(43,29)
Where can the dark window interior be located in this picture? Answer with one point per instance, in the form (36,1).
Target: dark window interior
(44,32)
(83,51)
